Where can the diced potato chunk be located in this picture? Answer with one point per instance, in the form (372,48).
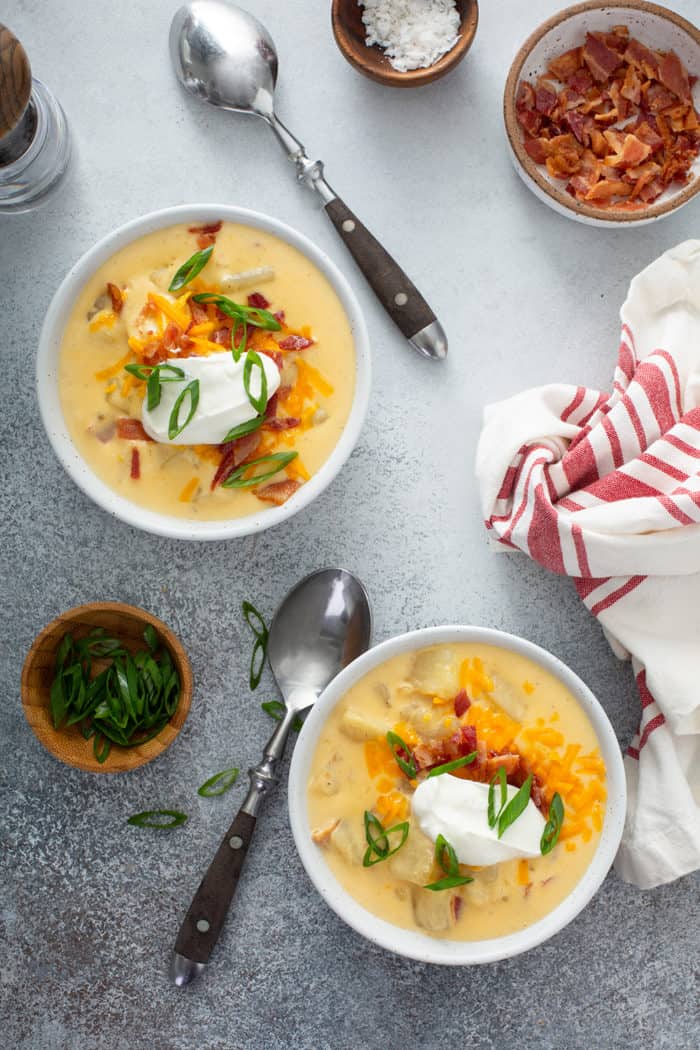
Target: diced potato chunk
(508,698)
(414,861)
(325,783)
(436,672)
(434,910)
(349,842)
(427,719)
(359,727)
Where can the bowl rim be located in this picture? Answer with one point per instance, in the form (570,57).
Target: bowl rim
(48,394)
(527,168)
(391,77)
(410,943)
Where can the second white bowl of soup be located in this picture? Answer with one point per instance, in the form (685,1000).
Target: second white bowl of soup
(457,795)
(203,372)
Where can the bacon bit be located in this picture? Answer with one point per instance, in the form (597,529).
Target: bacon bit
(285,423)
(295,342)
(279,491)
(235,453)
(621,104)
(135,472)
(456,905)
(222,336)
(198,312)
(462,703)
(206,234)
(462,743)
(280,316)
(271,410)
(115,294)
(274,356)
(258,300)
(131,430)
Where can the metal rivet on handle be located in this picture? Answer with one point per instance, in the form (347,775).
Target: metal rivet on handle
(400,298)
(235,842)
(348,226)
(202,925)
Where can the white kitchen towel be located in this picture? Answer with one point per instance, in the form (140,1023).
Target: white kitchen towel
(605,487)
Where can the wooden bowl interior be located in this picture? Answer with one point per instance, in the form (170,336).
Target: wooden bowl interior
(67,744)
(350,35)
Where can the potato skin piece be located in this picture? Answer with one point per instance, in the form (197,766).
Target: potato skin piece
(436,672)
(434,910)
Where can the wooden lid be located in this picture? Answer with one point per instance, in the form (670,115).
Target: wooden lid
(15,80)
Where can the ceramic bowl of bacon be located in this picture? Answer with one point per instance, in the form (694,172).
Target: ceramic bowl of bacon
(457,795)
(203,372)
(601,112)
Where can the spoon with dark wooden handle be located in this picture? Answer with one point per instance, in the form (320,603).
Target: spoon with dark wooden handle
(225,57)
(322,625)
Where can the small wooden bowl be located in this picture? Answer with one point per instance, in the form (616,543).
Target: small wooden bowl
(127,623)
(350,34)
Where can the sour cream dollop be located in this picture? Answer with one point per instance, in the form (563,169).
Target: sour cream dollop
(223,402)
(458,810)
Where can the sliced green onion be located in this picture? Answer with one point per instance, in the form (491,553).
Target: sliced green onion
(149,819)
(276,709)
(237,311)
(407,766)
(437,771)
(378,839)
(101,747)
(449,882)
(259,628)
(452,877)
(219,784)
(153,390)
(493,813)
(515,807)
(242,429)
(235,480)
(189,269)
(239,348)
(141,372)
(253,360)
(552,829)
(174,425)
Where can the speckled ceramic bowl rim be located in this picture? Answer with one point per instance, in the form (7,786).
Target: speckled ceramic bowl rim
(49,397)
(578,209)
(407,942)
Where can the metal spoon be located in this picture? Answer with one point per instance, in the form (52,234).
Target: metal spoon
(322,625)
(225,57)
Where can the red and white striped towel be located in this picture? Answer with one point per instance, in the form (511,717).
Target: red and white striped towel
(605,487)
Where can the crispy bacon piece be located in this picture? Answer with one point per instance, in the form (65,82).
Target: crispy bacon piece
(545,100)
(630,154)
(579,123)
(198,311)
(462,743)
(115,294)
(566,65)
(222,336)
(525,97)
(530,120)
(206,234)
(462,703)
(632,86)
(235,453)
(131,430)
(295,342)
(600,59)
(279,316)
(580,82)
(135,472)
(258,300)
(274,356)
(674,76)
(284,423)
(607,188)
(279,491)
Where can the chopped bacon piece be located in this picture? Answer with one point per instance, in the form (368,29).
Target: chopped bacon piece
(115,294)
(258,300)
(279,491)
(632,153)
(462,703)
(171,336)
(641,57)
(285,423)
(580,82)
(607,188)
(566,65)
(206,234)
(546,100)
(537,149)
(222,336)
(295,342)
(274,356)
(631,86)
(461,743)
(131,430)
(135,472)
(525,97)
(279,316)
(579,124)
(600,59)
(198,312)
(658,98)
(509,762)
(235,453)
(646,133)
(530,120)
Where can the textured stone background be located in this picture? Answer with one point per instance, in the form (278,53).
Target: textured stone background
(90,907)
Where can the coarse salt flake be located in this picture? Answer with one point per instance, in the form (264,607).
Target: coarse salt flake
(414,34)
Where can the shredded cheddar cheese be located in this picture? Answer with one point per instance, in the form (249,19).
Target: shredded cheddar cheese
(115,369)
(474,679)
(104,319)
(189,490)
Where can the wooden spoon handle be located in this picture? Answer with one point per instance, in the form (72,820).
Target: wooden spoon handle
(15,81)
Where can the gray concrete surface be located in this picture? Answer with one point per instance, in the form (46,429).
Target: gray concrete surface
(89,906)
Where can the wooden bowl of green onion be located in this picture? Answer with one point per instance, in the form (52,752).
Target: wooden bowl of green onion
(106,687)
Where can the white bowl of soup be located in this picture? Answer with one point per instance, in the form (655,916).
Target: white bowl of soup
(457,795)
(203,372)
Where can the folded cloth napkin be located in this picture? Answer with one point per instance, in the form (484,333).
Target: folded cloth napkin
(605,487)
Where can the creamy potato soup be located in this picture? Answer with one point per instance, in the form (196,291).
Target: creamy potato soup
(207,372)
(458,791)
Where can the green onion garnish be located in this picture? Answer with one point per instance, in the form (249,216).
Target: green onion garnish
(493,813)
(244,428)
(149,819)
(189,270)
(552,829)
(252,315)
(239,348)
(379,839)
(235,480)
(407,766)
(275,709)
(515,807)
(259,628)
(437,771)
(174,425)
(219,784)
(447,859)
(253,360)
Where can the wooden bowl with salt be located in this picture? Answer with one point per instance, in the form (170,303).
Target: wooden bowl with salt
(350,36)
(126,623)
